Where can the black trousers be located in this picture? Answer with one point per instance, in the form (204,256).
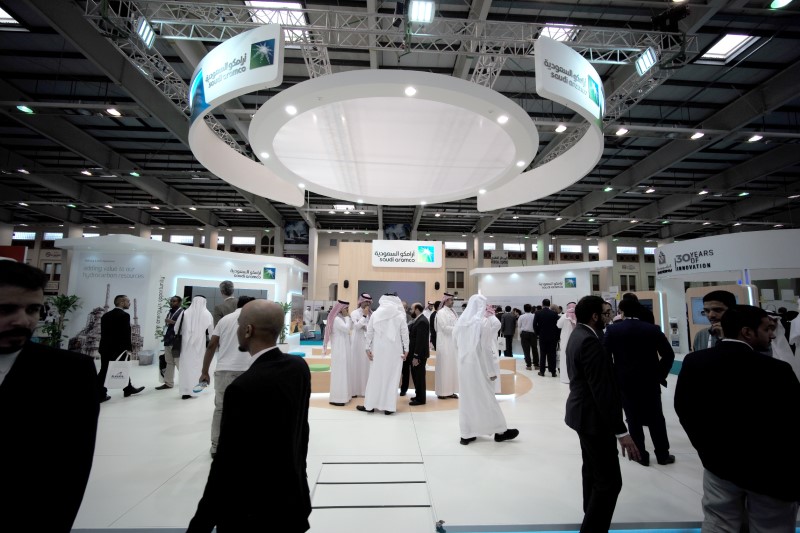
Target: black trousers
(645,410)
(602,481)
(509,352)
(528,341)
(547,358)
(405,375)
(418,375)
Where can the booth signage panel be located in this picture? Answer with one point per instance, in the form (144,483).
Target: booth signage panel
(499,258)
(407,254)
(739,251)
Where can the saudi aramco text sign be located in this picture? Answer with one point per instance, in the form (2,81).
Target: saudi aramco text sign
(407,254)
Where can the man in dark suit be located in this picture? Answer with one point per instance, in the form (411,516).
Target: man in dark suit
(508,325)
(418,352)
(115,338)
(432,322)
(228,305)
(545,325)
(258,476)
(642,360)
(637,310)
(594,411)
(733,401)
(48,440)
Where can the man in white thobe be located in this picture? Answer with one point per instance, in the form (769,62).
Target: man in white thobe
(478,411)
(387,348)
(359,364)
(446,357)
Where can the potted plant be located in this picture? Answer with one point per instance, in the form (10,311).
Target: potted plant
(57,316)
(282,344)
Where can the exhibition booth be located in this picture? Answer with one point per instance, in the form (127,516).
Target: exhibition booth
(731,262)
(150,272)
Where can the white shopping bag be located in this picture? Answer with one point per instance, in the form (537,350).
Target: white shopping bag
(501,343)
(119,372)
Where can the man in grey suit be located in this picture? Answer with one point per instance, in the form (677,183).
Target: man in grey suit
(228,306)
(594,411)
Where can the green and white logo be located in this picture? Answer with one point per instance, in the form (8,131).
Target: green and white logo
(425,254)
(269,273)
(262,53)
(594,91)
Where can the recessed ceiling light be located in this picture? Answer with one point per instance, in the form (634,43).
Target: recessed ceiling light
(331,212)
(410,91)
(239,209)
(527,237)
(427,234)
(134,174)
(634,221)
(108,206)
(93,227)
(437,215)
(792,197)
(86,173)
(23,204)
(359,201)
(665,221)
(701,193)
(737,223)
(502,119)
(608,189)
(199,229)
(561,128)
(361,213)
(520,163)
(113,112)
(156,208)
(744,193)
(161,227)
(649,190)
(22,171)
(25,109)
(423,202)
(481,191)
(778,226)
(755,138)
(228,229)
(463,234)
(559,218)
(706,223)
(696,135)
(621,131)
(291,110)
(515,217)
(192,208)
(264,155)
(591,220)
(347,212)
(71,205)
(131,227)
(491,236)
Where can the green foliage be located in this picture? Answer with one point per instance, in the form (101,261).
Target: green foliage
(285,331)
(55,329)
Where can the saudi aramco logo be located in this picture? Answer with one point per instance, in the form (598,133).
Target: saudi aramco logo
(425,254)
(262,53)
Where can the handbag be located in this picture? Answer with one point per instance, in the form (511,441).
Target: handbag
(501,343)
(119,372)
(177,341)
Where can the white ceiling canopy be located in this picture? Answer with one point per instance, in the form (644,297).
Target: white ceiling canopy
(393,137)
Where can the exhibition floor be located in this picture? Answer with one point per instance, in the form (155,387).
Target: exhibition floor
(370,472)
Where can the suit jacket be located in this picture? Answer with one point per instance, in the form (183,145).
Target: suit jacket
(739,409)
(50,407)
(418,336)
(508,324)
(593,405)
(432,324)
(225,308)
(115,333)
(258,476)
(545,325)
(642,356)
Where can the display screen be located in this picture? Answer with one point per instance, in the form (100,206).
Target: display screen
(296,313)
(647,303)
(697,311)
(407,291)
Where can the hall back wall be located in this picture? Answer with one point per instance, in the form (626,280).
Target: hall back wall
(355,263)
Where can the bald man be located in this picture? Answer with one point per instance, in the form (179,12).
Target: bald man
(258,475)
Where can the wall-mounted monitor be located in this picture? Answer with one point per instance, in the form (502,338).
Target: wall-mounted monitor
(647,303)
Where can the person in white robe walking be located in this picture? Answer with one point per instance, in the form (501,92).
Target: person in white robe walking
(338,335)
(359,364)
(446,357)
(478,411)
(387,348)
(567,323)
(196,324)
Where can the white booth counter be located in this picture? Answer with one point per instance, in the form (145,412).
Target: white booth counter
(733,260)
(149,272)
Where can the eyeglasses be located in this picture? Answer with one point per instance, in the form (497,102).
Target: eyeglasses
(718,310)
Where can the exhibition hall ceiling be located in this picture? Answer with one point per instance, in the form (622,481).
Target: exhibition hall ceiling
(73,160)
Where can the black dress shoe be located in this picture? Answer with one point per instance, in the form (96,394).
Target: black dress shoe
(105,399)
(402,393)
(453,396)
(506,435)
(127,391)
(443,397)
(528,367)
(415,402)
(387,413)
(465,442)
(336,404)
(668,460)
(163,387)
(186,396)
(364,409)
(541,373)
(554,374)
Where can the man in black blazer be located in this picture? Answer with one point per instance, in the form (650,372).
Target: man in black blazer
(545,325)
(258,476)
(418,352)
(115,338)
(734,402)
(432,322)
(594,411)
(642,360)
(48,401)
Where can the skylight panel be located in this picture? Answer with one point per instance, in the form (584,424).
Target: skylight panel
(728,47)
(560,32)
(268,13)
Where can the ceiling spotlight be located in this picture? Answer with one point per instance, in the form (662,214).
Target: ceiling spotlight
(744,193)
(199,229)
(645,61)
(561,128)
(520,163)
(25,109)
(23,204)
(113,112)
(108,206)
(608,189)
(701,193)
(634,221)
(427,234)
(161,227)
(649,190)
(86,173)
(777,4)
(737,223)
(192,208)
(423,202)
(264,155)
(156,208)
(134,174)
(420,11)
(792,197)
(706,223)
(621,131)
(778,226)
(226,229)
(591,220)
(502,119)
(755,138)
(665,221)
(410,91)
(347,212)
(93,227)
(359,201)
(291,110)
(361,213)
(22,171)
(481,191)
(437,215)
(239,209)
(696,135)
(331,212)
(559,218)
(145,32)
(515,217)
(72,206)
(301,185)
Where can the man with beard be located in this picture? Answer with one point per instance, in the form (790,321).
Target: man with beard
(258,476)
(45,394)
(715,303)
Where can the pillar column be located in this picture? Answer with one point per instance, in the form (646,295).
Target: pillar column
(477,245)
(543,250)
(144,231)
(528,251)
(197,238)
(313,246)
(228,240)
(279,239)
(6,234)
(258,242)
(605,247)
(212,235)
